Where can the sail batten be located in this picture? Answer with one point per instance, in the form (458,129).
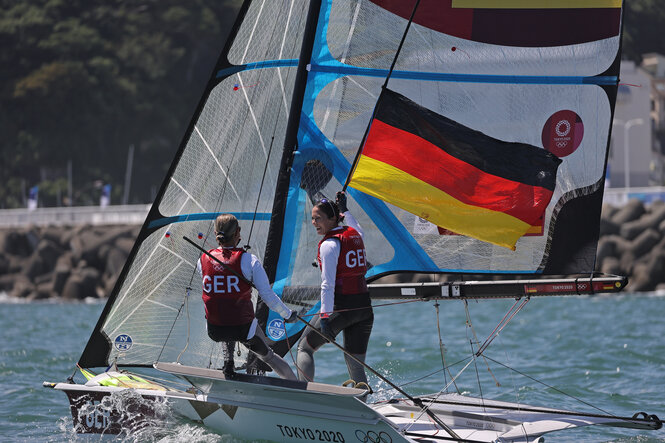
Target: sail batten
(342,69)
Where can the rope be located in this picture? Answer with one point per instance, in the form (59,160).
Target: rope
(384,86)
(441,348)
(290,348)
(552,387)
(503,323)
(475,337)
(416,401)
(188,292)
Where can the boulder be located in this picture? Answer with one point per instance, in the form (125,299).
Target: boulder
(60,276)
(53,234)
(645,242)
(16,263)
(22,287)
(41,292)
(49,251)
(627,262)
(607,247)
(611,266)
(81,284)
(7,282)
(651,220)
(115,260)
(640,280)
(632,210)
(125,244)
(608,227)
(608,211)
(33,267)
(16,243)
(4,264)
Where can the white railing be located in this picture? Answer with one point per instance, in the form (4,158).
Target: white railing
(619,196)
(78,215)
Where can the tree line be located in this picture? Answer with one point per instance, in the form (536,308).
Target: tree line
(85,80)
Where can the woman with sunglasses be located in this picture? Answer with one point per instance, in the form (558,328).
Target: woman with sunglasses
(345,302)
(227,296)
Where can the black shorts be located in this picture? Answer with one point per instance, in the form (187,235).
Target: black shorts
(239,333)
(354,317)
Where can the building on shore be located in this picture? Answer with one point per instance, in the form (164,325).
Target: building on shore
(637,147)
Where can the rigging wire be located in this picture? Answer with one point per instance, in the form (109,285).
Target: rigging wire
(441,347)
(217,206)
(416,401)
(384,86)
(552,387)
(469,324)
(503,323)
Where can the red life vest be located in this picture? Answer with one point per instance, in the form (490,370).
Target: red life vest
(227,298)
(352,262)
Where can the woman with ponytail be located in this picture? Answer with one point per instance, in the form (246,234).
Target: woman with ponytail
(345,302)
(227,296)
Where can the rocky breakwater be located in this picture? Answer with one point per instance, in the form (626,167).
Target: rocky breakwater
(67,262)
(632,243)
(85,261)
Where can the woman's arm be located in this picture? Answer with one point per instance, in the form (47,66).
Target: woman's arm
(351,221)
(329,253)
(254,272)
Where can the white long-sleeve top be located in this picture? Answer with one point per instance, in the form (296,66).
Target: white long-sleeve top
(252,270)
(329,253)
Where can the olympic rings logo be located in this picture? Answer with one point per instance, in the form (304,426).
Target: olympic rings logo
(373,437)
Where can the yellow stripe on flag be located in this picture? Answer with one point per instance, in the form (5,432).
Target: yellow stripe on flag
(536,4)
(405,191)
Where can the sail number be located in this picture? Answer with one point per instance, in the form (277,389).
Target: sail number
(355,258)
(221,284)
(98,418)
(311,434)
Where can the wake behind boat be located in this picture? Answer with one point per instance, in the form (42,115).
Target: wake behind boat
(483,138)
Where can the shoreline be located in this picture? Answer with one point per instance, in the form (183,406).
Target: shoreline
(80,262)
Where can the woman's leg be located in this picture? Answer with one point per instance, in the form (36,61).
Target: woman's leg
(309,343)
(356,339)
(257,344)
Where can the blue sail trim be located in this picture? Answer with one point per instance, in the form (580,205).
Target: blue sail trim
(257,65)
(344,70)
(468,78)
(158,223)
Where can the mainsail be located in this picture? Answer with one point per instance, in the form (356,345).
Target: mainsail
(553,91)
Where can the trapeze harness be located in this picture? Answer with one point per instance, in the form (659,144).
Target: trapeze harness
(227,299)
(352,265)
(355,316)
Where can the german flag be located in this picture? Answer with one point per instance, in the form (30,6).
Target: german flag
(453,176)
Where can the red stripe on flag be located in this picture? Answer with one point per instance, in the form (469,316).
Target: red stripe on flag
(468,184)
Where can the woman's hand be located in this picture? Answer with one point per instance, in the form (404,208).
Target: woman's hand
(340,199)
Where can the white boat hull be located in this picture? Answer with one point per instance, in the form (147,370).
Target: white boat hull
(267,408)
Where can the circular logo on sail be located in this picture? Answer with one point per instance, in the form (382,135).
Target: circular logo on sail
(123,342)
(562,133)
(276,329)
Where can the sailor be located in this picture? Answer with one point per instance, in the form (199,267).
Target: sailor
(227,295)
(345,302)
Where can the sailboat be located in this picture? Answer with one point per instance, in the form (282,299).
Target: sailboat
(520,99)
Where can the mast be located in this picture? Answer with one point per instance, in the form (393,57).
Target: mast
(274,242)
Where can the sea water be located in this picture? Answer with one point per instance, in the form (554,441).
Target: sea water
(598,354)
